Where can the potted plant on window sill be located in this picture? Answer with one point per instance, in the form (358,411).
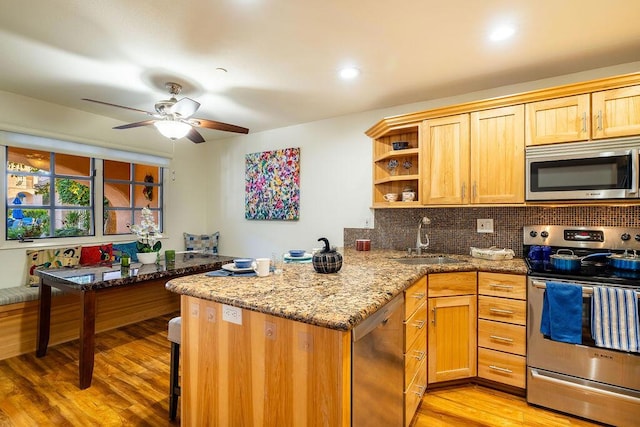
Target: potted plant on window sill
(148,245)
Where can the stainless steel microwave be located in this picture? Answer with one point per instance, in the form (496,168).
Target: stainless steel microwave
(589,170)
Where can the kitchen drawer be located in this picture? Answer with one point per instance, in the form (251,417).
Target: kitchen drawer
(502,285)
(502,310)
(450,284)
(415,326)
(414,357)
(415,295)
(502,336)
(413,395)
(502,367)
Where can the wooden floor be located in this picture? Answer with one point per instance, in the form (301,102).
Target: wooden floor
(131,382)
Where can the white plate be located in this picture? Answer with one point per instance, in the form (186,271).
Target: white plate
(232,268)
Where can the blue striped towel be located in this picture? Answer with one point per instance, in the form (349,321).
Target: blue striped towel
(614,318)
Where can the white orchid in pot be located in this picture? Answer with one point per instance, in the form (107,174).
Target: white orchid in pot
(148,234)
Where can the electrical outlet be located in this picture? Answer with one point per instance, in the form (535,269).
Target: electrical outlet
(485,225)
(232,314)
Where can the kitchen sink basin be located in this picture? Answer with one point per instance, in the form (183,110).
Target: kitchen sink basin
(427,260)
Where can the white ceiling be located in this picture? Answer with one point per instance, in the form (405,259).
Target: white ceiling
(282,56)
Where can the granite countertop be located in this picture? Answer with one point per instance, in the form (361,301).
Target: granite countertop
(106,276)
(340,301)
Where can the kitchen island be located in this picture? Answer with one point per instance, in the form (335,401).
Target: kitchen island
(284,358)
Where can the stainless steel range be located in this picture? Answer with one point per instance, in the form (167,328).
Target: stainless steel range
(583,378)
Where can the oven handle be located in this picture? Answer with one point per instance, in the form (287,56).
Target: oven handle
(568,383)
(586,290)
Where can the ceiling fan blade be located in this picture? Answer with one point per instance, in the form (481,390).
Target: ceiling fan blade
(210,124)
(135,125)
(195,136)
(117,106)
(186,107)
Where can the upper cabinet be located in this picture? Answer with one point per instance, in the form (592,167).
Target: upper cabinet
(616,112)
(474,153)
(445,160)
(558,120)
(497,155)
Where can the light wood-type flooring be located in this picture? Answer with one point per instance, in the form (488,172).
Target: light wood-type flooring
(131,381)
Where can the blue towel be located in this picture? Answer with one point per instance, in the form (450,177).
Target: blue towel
(614,318)
(562,312)
(225,273)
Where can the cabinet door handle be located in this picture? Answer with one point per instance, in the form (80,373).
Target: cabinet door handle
(496,337)
(419,355)
(474,191)
(500,311)
(464,189)
(498,286)
(418,295)
(434,317)
(420,391)
(498,368)
(584,122)
(599,119)
(419,324)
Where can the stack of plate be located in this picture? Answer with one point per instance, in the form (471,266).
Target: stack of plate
(298,257)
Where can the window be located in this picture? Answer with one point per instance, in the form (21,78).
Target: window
(129,187)
(48,194)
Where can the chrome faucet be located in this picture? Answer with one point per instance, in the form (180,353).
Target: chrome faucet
(419,244)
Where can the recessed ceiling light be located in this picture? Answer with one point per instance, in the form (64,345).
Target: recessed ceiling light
(349,73)
(502,33)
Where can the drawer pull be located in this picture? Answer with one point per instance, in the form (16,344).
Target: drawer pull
(419,355)
(498,368)
(498,286)
(420,391)
(419,324)
(496,337)
(500,311)
(419,295)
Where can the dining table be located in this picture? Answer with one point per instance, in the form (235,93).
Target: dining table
(87,282)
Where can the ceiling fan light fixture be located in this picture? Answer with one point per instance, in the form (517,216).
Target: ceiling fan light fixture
(172,129)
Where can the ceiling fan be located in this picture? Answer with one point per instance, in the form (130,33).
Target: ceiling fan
(173,117)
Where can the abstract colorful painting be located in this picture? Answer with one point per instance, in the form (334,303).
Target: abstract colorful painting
(272,185)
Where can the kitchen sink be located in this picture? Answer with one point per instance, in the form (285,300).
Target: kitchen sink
(427,260)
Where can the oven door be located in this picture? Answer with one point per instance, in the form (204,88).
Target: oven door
(583,380)
(584,361)
(582,171)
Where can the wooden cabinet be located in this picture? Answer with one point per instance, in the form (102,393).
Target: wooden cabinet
(396,170)
(502,328)
(415,347)
(557,120)
(616,112)
(452,326)
(497,155)
(445,160)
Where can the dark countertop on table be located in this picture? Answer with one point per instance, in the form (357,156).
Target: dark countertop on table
(367,281)
(85,278)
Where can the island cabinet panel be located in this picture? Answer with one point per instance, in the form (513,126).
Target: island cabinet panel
(269,371)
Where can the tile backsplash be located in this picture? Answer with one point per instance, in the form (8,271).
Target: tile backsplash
(453,230)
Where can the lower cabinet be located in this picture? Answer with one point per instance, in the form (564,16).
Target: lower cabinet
(415,347)
(502,328)
(452,326)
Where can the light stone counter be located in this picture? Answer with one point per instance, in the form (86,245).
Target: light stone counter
(366,282)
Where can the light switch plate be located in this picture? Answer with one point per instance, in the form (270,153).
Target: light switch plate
(485,225)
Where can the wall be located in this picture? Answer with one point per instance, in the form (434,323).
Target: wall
(453,230)
(336,181)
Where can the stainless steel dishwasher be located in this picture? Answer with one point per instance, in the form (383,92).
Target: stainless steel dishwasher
(377,380)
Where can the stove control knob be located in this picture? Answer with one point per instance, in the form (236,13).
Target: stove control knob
(625,236)
(544,234)
(533,233)
(637,237)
